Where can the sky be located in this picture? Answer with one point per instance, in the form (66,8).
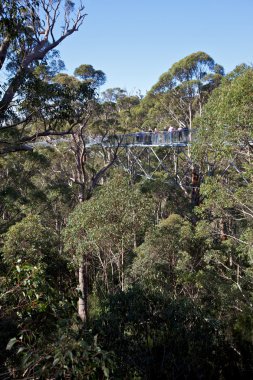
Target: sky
(135,41)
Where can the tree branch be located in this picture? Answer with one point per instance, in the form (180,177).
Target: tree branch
(3,50)
(38,53)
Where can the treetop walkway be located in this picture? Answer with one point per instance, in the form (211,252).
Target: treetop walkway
(138,154)
(138,139)
(142,139)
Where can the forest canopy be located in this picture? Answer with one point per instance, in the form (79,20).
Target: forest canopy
(106,273)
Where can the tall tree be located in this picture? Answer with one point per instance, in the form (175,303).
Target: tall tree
(223,149)
(223,145)
(28,35)
(181,91)
(102,232)
(88,74)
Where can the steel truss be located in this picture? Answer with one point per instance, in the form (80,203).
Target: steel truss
(172,162)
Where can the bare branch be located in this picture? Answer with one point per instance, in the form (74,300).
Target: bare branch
(40,50)
(16,148)
(3,50)
(102,171)
(24,121)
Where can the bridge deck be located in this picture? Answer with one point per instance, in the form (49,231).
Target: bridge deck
(141,139)
(138,139)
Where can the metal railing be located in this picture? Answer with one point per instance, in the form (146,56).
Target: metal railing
(141,138)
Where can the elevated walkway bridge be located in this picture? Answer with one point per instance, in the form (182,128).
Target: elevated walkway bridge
(142,139)
(152,155)
(147,154)
(144,154)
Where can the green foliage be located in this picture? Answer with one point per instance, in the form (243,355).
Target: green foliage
(181,92)
(223,147)
(229,109)
(164,256)
(193,72)
(169,287)
(113,94)
(114,215)
(88,74)
(167,196)
(107,228)
(28,242)
(28,62)
(21,188)
(155,337)
(68,352)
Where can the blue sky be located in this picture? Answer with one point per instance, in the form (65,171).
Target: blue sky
(135,41)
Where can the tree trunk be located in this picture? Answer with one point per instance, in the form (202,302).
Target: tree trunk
(83,288)
(223,230)
(3,50)
(195,187)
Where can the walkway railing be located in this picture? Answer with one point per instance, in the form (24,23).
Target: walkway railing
(163,138)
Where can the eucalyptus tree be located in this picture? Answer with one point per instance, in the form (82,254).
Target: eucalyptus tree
(181,91)
(28,37)
(86,117)
(223,146)
(223,150)
(95,78)
(178,97)
(164,256)
(80,111)
(101,234)
(113,94)
(126,106)
(58,106)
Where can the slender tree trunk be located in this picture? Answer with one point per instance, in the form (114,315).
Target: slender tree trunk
(3,50)
(122,271)
(195,187)
(223,230)
(83,287)
(85,191)
(195,178)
